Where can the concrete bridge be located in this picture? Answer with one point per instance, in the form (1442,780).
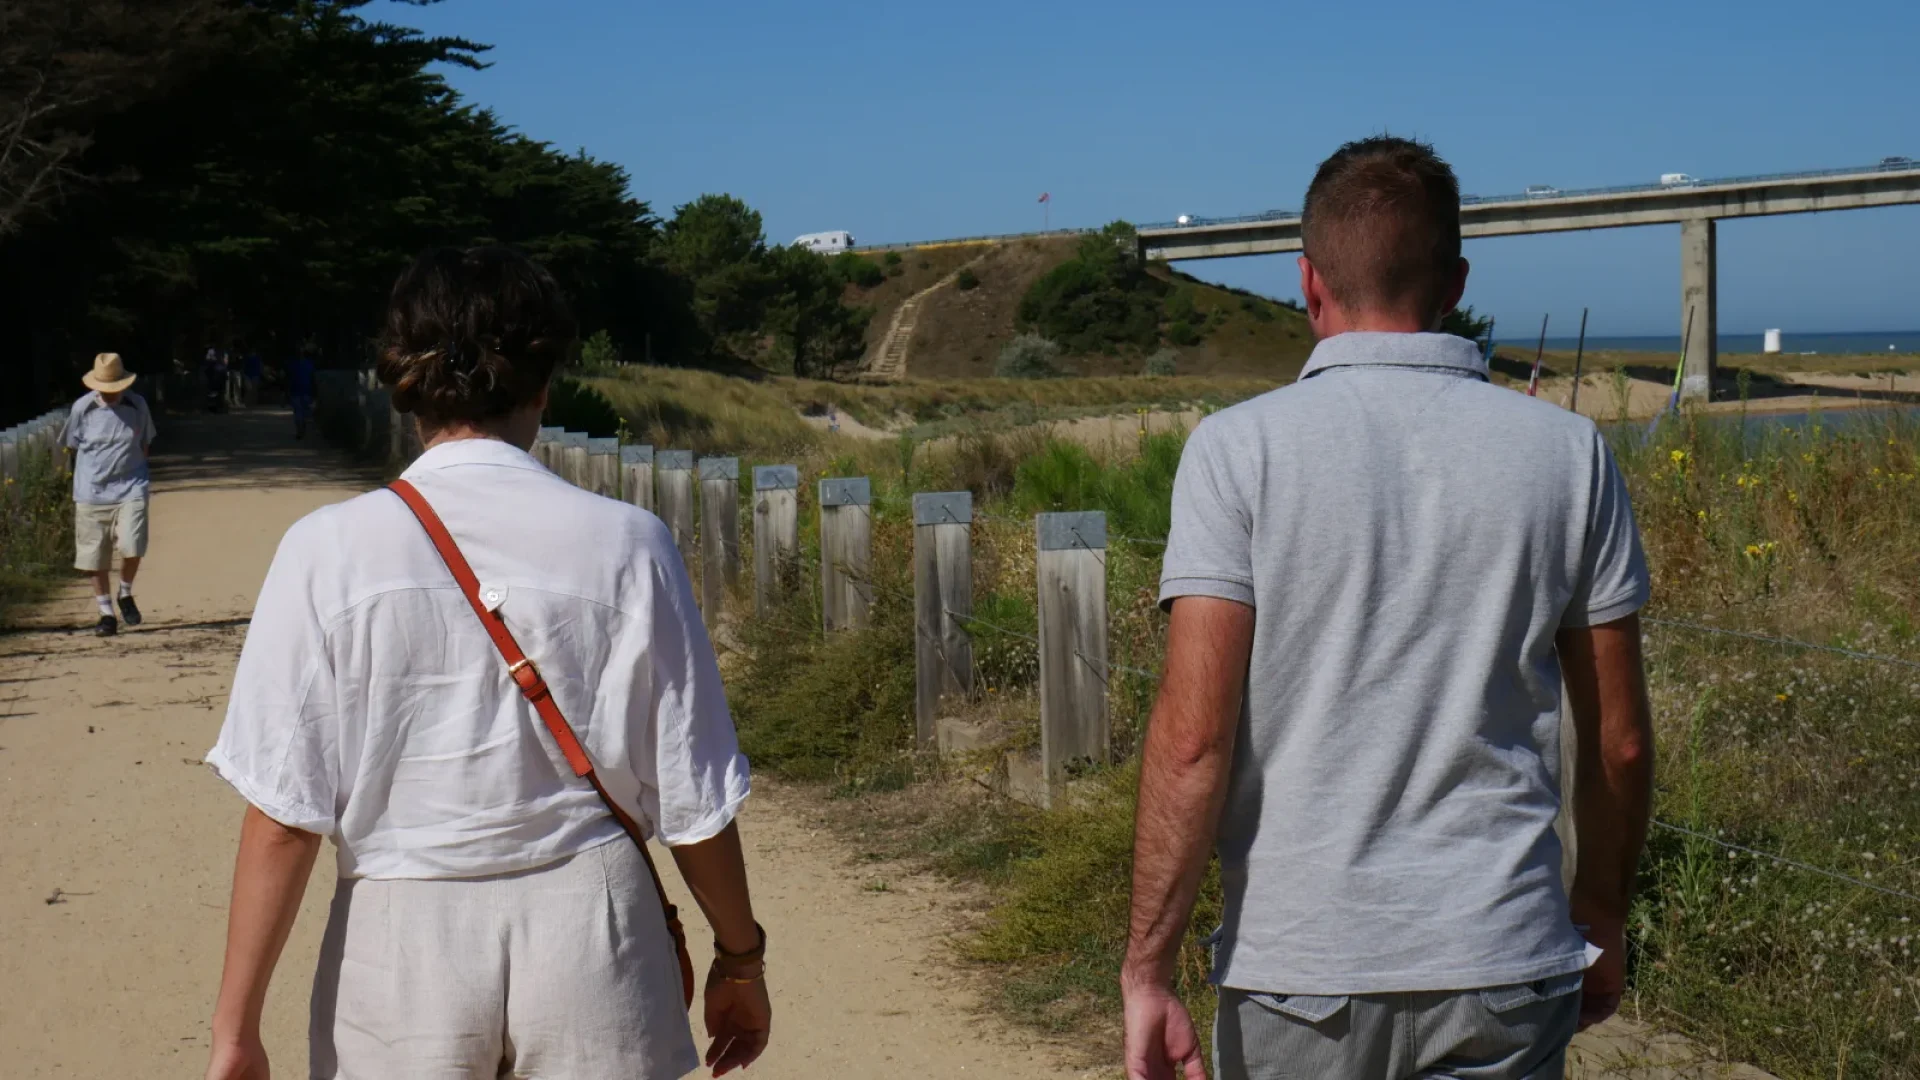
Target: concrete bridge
(1695,205)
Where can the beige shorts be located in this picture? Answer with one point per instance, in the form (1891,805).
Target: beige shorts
(100,529)
(561,971)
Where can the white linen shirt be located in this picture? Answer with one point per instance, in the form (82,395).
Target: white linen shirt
(370,705)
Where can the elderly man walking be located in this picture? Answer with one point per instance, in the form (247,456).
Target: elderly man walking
(1379,578)
(109,432)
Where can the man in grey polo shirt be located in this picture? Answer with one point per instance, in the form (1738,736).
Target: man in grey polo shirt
(109,431)
(1379,577)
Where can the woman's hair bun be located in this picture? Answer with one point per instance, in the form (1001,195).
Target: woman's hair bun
(472,335)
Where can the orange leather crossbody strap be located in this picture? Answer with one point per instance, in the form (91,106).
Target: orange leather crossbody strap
(534,688)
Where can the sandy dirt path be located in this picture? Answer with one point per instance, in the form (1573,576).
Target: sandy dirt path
(103,798)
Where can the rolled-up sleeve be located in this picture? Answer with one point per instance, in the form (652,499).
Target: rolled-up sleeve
(278,746)
(1209,551)
(1613,572)
(700,778)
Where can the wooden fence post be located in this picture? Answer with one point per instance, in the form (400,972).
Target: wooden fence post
(719,531)
(846,552)
(636,475)
(603,467)
(546,448)
(573,458)
(776,533)
(673,472)
(942,590)
(1071,568)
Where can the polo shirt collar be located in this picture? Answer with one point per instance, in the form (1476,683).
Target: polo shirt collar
(1367,348)
(473,452)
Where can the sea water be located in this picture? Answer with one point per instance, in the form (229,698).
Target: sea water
(1848,344)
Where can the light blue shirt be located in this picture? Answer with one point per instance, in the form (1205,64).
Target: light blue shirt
(1410,539)
(110,448)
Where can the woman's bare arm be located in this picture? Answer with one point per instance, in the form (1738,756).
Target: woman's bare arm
(269,879)
(738,1013)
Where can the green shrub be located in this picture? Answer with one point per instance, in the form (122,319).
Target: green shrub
(892,259)
(1183,333)
(1162,362)
(1028,356)
(925,264)
(36,533)
(858,270)
(599,355)
(1099,300)
(1180,306)
(581,408)
(833,707)
(966,280)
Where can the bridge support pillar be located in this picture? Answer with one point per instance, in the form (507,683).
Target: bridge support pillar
(1699,306)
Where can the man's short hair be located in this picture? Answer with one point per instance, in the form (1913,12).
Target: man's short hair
(1382,226)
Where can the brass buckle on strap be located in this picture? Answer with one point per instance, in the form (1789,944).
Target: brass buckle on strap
(527,678)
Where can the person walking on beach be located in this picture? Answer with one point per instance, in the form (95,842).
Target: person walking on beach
(109,433)
(1379,578)
(486,686)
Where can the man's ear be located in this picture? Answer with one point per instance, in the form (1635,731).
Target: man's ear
(1312,289)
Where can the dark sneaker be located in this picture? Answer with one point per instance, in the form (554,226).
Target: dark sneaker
(129,611)
(107,626)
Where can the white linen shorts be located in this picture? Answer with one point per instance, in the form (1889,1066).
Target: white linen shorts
(564,971)
(100,529)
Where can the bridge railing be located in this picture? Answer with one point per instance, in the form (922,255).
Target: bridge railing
(1569,193)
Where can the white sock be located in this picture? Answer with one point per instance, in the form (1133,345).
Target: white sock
(105,604)
(126,588)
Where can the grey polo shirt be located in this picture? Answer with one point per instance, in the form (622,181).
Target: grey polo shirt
(110,448)
(1410,538)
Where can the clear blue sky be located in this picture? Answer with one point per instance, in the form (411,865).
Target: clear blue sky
(916,120)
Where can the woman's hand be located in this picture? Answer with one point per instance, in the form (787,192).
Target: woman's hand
(242,1058)
(738,1019)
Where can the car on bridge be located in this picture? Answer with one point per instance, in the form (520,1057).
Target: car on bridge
(1895,164)
(1541,191)
(1676,179)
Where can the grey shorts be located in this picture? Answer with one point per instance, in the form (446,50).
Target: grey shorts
(101,529)
(1515,1032)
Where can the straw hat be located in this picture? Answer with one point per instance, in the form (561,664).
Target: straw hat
(109,375)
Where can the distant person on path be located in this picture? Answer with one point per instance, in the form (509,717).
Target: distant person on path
(300,380)
(494,916)
(252,372)
(214,371)
(109,432)
(1379,577)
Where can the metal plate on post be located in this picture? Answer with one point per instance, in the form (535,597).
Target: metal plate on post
(574,438)
(603,446)
(669,460)
(719,468)
(846,491)
(1065,532)
(636,455)
(549,434)
(776,477)
(943,508)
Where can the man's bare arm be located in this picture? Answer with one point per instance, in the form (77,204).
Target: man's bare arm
(1613,789)
(1183,777)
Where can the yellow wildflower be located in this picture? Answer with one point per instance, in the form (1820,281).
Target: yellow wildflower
(1678,456)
